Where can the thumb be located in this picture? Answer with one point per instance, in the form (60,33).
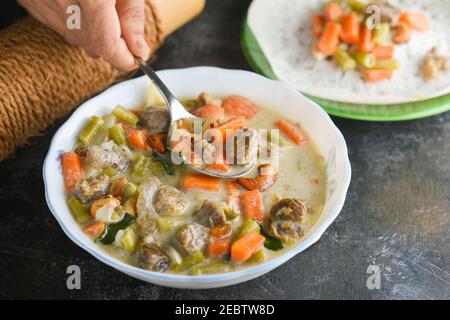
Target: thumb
(132,19)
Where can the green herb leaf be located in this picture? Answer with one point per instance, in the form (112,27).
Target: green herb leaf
(109,234)
(168,166)
(271,243)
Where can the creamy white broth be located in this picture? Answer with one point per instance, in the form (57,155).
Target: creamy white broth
(301,175)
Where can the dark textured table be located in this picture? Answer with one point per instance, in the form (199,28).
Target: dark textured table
(396,217)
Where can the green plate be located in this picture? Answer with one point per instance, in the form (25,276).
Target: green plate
(389,112)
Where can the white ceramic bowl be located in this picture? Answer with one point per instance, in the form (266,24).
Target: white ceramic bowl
(187,83)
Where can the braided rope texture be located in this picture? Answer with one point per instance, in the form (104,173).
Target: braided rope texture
(43,78)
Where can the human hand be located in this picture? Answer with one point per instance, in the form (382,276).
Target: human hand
(110,29)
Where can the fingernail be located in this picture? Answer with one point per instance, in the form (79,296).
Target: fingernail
(144,49)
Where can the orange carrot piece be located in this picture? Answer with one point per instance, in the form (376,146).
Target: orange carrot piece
(235,106)
(252,205)
(383,52)
(138,139)
(245,247)
(329,39)
(232,185)
(402,32)
(317,24)
(233,123)
(157,142)
(219,246)
(95,229)
(332,11)
(416,20)
(198,181)
(366,43)
(209,111)
(72,169)
(292,131)
(220,164)
(350,28)
(375,75)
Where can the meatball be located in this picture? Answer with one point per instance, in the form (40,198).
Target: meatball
(147,190)
(152,258)
(210,214)
(286,219)
(92,188)
(245,146)
(99,157)
(193,237)
(169,200)
(155,119)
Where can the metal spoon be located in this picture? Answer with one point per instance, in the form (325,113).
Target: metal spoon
(177,112)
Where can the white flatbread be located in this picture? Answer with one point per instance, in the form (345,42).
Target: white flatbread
(282,29)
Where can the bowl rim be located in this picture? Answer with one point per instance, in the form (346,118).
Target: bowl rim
(221,277)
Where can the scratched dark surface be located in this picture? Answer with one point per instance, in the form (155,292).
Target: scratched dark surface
(397,213)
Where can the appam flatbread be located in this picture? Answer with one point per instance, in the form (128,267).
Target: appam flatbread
(282,29)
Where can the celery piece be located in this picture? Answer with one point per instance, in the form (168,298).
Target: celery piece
(140,166)
(129,241)
(110,172)
(382,35)
(92,128)
(168,223)
(230,213)
(188,262)
(78,210)
(367,60)
(190,104)
(248,226)
(129,190)
(126,115)
(211,268)
(157,169)
(391,64)
(257,257)
(344,60)
(358,5)
(117,133)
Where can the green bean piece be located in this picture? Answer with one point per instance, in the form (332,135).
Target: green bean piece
(230,213)
(249,226)
(110,172)
(78,210)
(357,5)
(257,257)
(129,241)
(126,115)
(140,166)
(382,35)
(168,223)
(129,190)
(157,169)
(344,60)
(211,268)
(193,259)
(367,60)
(391,64)
(92,128)
(117,133)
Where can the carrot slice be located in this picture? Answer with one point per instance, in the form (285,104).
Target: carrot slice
(416,20)
(402,32)
(383,52)
(138,139)
(239,106)
(375,75)
(158,142)
(365,40)
(198,181)
(220,164)
(72,169)
(219,246)
(95,229)
(232,185)
(252,206)
(317,24)
(350,28)
(209,111)
(332,11)
(294,132)
(329,39)
(246,246)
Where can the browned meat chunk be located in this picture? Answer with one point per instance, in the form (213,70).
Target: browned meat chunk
(152,258)
(155,119)
(210,214)
(193,237)
(147,190)
(169,200)
(207,99)
(92,188)
(99,157)
(286,219)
